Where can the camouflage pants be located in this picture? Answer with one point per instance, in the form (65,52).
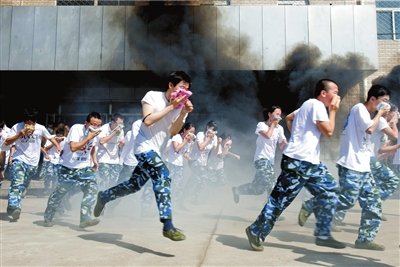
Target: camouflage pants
(178,181)
(85,178)
(108,175)
(49,173)
(386,180)
(125,173)
(199,179)
(294,176)
(150,166)
(264,179)
(20,175)
(362,187)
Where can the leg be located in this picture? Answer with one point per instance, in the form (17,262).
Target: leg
(264,179)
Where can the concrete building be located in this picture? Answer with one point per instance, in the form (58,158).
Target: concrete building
(93,48)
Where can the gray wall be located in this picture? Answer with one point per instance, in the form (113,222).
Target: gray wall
(251,37)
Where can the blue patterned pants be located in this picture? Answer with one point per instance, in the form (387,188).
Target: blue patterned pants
(295,175)
(108,175)
(85,178)
(150,166)
(360,186)
(20,175)
(264,179)
(386,180)
(49,173)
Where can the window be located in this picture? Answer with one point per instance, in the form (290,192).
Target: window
(388,19)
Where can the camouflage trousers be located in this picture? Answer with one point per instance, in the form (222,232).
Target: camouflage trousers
(150,166)
(20,175)
(386,180)
(264,179)
(49,173)
(294,176)
(85,178)
(178,181)
(108,175)
(360,186)
(200,178)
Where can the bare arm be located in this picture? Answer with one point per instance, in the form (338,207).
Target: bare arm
(289,120)
(75,146)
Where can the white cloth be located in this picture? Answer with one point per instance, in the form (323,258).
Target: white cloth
(266,147)
(354,151)
(27,148)
(305,135)
(153,137)
(127,156)
(78,159)
(109,151)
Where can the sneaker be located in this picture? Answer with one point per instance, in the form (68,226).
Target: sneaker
(235,194)
(89,223)
(47,223)
(303,216)
(369,245)
(15,214)
(98,209)
(330,242)
(254,241)
(174,234)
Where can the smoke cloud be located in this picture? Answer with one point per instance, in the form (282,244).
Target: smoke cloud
(392,82)
(305,66)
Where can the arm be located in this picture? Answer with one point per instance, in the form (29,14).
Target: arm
(75,146)
(268,134)
(375,120)
(93,155)
(328,127)
(289,120)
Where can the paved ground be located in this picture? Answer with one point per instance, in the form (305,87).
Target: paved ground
(215,236)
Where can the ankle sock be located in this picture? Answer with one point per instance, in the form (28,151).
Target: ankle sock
(168,225)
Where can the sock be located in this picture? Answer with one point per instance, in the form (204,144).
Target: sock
(323,237)
(168,225)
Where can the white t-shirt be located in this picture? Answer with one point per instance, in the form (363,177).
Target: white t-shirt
(175,158)
(305,135)
(354,151)
(52,152)
(78,159)
(109,152)
(215,162)
(266,147)
(127,156)
(27,148)
(202,156)
(396,158)
(378,137)
(153,137)
(4,133)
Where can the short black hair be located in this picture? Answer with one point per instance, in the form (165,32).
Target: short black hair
(30,114)
(176,77)
(93,114)
(377,90)
(321,85)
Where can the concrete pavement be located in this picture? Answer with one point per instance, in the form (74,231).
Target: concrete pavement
(215,236)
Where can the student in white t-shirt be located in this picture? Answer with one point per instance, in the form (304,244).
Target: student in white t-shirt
(26,137)
(216,160)
(78,165)
(205,142)
(51,160)
(127,157)
(301,167)
(162,117)
(176,154)
(269,135)
(108,151)
(4,152)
